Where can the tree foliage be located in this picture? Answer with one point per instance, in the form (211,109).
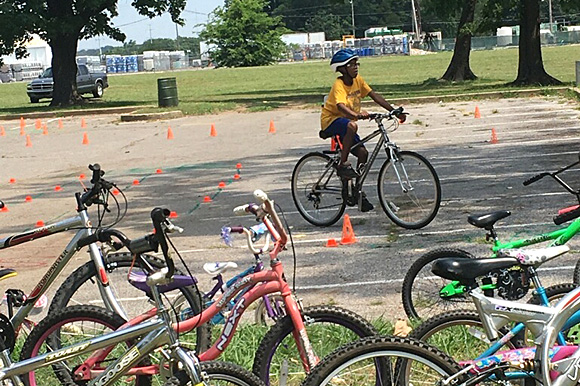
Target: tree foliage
(62,23)
(242,34)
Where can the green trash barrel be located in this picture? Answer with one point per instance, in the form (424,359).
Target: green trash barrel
(167,92)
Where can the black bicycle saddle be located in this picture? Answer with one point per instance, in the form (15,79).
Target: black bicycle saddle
(462,270)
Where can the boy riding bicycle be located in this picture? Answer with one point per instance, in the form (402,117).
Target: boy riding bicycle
(342,109)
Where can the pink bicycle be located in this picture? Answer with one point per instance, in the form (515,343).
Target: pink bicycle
(289,350)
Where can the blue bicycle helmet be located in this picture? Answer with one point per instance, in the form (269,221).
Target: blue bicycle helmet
(342,57)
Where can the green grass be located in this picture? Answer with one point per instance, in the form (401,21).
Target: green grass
(263,88)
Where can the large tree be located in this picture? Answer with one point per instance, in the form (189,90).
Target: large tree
(459,68)
(530,65)
(242,34)
(62,23)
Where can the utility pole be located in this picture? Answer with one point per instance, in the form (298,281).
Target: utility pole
(415,23)
(352,16)
(551,18)
(150,35)
(176,36)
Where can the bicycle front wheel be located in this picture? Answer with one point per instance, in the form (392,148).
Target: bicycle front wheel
(383,361)
(64,329)
(327,327)
(317,190)
(409,190)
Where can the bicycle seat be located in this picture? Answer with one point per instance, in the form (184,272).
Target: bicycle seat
(462,269)
(487,220)
(139,281)
(534,256)
(218,268)
(324,134)
(6,273)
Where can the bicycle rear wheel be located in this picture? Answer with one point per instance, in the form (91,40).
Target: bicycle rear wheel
(317,190)
(219,373)
(409,190)
(384,361)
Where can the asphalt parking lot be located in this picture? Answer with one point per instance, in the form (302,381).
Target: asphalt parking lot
(534,135)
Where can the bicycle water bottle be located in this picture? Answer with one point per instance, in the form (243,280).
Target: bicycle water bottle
(258,231)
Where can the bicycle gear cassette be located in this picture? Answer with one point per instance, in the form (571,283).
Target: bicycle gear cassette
(511,284)
(7,332)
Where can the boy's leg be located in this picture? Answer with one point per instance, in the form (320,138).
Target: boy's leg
(348,140)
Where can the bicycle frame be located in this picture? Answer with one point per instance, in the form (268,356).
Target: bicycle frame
(543,322)
(80,221)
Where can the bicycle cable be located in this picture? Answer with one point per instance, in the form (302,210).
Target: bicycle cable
(190,275)
(292,245)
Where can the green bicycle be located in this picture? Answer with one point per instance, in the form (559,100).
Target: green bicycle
(425,295)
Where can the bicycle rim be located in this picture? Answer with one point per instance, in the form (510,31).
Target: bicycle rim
(409,190)
(317,190)
(426,298)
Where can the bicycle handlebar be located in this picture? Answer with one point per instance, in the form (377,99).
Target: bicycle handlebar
(535,178)
(567,216)
(248,233)
(262,212)
(148,243)
(91,196)
(389,115)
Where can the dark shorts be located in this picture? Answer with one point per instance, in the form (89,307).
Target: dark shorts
(338,127)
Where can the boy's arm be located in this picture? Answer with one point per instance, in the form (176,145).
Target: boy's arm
(350,114)
(378,98)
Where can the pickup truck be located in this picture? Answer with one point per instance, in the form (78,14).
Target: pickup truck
(87,82)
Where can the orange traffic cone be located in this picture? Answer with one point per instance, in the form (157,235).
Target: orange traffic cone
(83,124)
(207,199)
(347,232)
(237,176)
(330,243)
(60,123)
(169,133)
(477,113)
(493,137)
(44,130)
(221,185)
(40,223)
(173,214)
(135,182)
(4,209)
(2,132)
(272,127)
(22,123)
(22,132)
(57,188)
(85,138)
(212,132)
(38,124)
(28,198)
(28,141)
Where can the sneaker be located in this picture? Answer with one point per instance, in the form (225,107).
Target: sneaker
(366,204)
(346,171)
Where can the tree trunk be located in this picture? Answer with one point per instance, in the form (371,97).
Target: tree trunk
(64,70)
(530,66)
(459,69)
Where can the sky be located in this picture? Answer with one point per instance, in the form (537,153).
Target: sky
(141,28)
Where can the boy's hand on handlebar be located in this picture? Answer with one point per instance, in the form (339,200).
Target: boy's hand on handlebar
(363,115)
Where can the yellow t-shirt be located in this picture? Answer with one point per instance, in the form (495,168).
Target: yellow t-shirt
(341,93)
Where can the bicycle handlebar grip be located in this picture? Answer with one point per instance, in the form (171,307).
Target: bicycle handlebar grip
(241,210)
(158,216)
(143,245)
(97,173)
(261,195)
(237,229)
(397,111)
(565,217)
(535,178)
